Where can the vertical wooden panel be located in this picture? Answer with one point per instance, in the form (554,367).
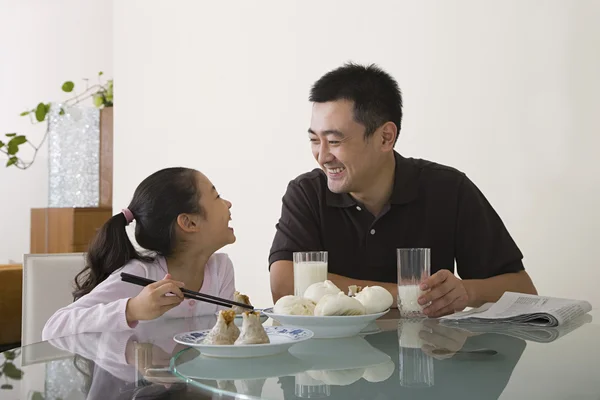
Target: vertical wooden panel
(87,222)
(60,230)
(106,157)
(38,244)
(65,230)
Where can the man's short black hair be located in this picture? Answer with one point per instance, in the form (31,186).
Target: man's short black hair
(376,95)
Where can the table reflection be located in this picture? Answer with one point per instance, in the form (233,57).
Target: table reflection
(414,358)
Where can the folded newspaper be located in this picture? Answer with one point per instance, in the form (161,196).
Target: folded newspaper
(524,309)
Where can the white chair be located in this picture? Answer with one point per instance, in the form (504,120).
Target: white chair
(47,286)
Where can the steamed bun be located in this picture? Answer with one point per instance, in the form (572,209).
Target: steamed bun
(294,305)
(339,304)
(317,290)
(375,299)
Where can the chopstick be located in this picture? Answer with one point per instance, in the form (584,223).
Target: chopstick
(141,281)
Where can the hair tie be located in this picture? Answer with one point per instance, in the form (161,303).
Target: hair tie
(128,215)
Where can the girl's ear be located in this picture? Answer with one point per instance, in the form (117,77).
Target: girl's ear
(188,223)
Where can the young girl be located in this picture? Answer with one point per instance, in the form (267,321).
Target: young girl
(180,217)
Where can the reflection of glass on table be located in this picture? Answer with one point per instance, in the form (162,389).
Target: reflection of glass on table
(416,366)
(307,387)
(413,268)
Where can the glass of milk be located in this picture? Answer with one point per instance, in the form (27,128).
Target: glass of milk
(413,268)
(309,267)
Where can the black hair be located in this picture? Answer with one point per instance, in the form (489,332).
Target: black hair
(156,203)
(376,95)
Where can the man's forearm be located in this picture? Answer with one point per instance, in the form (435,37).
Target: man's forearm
(343,282)
(481,291)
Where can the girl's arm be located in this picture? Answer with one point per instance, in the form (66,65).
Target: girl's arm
(101,310)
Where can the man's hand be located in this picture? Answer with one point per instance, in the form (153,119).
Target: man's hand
(447,294)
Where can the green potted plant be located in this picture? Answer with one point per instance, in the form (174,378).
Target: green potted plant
(101,94)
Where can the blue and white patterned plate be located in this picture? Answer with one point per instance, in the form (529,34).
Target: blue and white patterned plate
(281,339)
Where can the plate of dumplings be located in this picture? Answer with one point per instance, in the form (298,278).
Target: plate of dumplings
(239,311)
(329,312)
(227,340)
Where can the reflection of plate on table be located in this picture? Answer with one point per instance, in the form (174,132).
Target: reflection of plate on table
(202,367)
(338,354)
(239,319)
(342,362)
(371,329)
(329,326)
(282,338)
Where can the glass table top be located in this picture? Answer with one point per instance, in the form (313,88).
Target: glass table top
(393,358)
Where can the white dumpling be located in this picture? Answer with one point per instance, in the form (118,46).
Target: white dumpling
(225,331)
(252,330)
(294,305)
(240,298)
(353,290)
(317,290)
(339,304)
(380,372)
(375,299)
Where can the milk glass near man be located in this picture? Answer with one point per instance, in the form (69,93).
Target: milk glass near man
(366,200)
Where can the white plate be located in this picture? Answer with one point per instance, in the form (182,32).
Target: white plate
(203,367)
(282,338)
(327,327)
(239,319)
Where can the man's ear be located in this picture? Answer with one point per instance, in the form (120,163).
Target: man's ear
(187,223)
(388,136)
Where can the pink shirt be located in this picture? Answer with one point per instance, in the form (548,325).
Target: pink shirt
(103,309)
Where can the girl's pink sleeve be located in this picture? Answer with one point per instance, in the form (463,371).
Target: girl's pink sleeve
(101,310)
(228,282)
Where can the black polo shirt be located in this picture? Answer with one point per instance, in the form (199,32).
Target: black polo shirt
(431,206)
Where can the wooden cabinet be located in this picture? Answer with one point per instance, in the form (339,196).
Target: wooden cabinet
(65,230)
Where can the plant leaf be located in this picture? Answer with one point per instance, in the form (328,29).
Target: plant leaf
(9,355)
(62,111)
(6,386)
(11,134)
(9,368)
(12,149)
(48,105)
(100,73)
(37,396)
(24,113)
(1,144)
(98,100)
(68,86)
(40,112)
(17,140)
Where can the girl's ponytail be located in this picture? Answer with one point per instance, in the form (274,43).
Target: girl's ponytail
(109,250)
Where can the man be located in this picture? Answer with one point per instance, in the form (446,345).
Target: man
(367,200)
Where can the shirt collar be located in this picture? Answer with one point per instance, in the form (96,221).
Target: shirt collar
(406,186)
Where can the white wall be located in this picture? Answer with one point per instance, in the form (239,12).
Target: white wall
(42,44)
(505,91)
